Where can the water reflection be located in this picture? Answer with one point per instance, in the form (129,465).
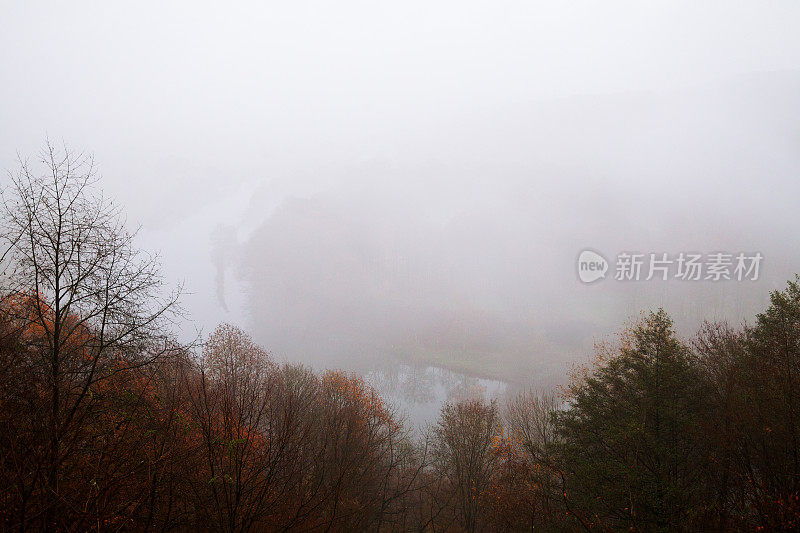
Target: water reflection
(418,392)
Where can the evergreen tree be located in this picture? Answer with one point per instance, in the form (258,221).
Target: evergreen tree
(770,424)
(628,447)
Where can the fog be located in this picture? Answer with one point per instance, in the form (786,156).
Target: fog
(363,182)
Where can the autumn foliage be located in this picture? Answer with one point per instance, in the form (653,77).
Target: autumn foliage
(108,424)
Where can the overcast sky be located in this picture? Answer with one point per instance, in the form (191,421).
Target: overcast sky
(357,180)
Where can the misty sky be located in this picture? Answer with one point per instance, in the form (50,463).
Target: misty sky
(353,181)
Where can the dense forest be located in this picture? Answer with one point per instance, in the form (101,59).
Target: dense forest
(107,422)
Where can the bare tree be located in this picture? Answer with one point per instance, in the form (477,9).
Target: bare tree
(463,446)
(231,399)
(95,305)
(531,425)
(530,418)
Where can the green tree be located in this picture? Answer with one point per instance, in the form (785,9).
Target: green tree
(770,423)
(628,449)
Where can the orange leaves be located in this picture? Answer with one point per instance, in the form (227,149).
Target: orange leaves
(29,313)
(351,390)
(231,354)
(36,321)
